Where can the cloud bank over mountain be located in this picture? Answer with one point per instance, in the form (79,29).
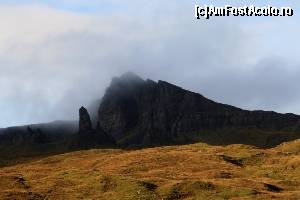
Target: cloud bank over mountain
(53,59)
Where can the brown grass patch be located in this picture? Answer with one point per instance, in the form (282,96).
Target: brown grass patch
(194,171)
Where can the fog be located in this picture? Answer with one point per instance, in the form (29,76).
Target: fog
(54,60)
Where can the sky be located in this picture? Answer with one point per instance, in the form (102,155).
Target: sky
(56,56)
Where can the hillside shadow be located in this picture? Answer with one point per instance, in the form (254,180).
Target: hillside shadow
(27,151)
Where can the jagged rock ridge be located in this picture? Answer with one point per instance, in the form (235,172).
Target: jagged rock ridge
(138,112)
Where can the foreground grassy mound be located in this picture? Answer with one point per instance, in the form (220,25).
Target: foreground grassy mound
(196,171)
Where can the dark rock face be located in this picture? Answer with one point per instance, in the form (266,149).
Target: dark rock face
(89,137)
(138,112)
(85,123)
(93,111)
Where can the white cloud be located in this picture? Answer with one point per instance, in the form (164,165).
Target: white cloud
(54,61)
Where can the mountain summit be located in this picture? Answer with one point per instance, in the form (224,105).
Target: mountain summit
(142,113)
(139,112)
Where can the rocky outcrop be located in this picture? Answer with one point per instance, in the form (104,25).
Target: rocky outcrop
(85,123)
(138,112)
(89,137)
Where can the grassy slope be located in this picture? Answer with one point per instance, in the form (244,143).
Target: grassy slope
(196,171)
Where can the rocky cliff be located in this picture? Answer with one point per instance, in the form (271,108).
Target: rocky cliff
(143,112)
(87,136)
